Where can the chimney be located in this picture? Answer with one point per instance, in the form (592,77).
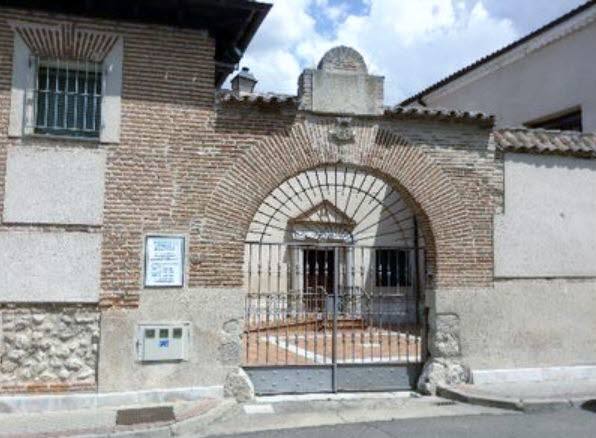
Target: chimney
(244,82)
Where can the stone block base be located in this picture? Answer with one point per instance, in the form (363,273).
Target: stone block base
(48,348)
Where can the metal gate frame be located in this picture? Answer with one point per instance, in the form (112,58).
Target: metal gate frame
(340,376)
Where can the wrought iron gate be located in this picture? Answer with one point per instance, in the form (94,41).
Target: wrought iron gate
(329,317)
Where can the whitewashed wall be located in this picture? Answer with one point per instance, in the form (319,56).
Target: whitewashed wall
(559,76)
(46,185)
(47,189)
(548,228)
(43,267)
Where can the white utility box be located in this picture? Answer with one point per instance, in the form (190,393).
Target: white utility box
(163,341)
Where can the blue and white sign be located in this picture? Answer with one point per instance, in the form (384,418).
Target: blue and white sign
(164,261)
(164,343)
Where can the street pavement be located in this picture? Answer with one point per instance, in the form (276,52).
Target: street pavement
(399,414)
(567,423)
(289,412)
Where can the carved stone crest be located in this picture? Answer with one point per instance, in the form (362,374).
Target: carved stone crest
(343,132)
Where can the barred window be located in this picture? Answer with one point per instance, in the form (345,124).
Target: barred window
(68,98)
(393,268)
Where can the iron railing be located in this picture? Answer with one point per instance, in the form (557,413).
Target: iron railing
(326,304)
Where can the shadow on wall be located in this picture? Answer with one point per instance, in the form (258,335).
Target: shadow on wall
(395,239)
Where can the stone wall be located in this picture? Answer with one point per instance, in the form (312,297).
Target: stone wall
(153,179)
(49,347)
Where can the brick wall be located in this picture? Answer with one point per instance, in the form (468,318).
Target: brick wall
(155,176)
(447,170)
(188,164)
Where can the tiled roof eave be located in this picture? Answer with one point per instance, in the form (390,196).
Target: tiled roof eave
(418,97)
(441,114)
(257,98)
(541,141)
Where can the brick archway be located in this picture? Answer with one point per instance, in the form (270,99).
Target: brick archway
(450,228)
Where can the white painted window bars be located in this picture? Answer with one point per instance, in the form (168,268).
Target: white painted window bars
(67,98)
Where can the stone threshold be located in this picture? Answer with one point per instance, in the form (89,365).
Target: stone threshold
(25,403)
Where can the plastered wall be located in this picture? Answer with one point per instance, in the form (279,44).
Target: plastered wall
(549,221)
(552,79)
(47,185)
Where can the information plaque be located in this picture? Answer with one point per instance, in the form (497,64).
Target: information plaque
(164,261)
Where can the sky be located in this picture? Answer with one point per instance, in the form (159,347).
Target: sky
(413,43)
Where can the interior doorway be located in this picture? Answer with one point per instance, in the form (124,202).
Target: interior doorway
(318,278)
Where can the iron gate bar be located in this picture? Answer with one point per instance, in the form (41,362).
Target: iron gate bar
(335,310)
(278,313)
(318,186)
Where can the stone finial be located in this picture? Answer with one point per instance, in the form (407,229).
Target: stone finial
(343,59)
(341,85)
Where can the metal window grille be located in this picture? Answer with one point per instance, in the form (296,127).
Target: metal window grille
(68,98)
(319,304)
(391,268)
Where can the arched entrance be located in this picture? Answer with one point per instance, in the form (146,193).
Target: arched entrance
(334,266)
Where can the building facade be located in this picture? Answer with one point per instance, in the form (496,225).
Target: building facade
(543,80)
(163,233)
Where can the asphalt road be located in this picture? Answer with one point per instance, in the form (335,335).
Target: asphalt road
(568,423)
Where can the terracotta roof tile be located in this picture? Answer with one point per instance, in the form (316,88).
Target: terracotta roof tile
(440,113)
(231,96)
(541,141)
(396,111)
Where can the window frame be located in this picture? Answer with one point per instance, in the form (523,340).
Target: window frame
(560,118)
(52,99)
(23,99)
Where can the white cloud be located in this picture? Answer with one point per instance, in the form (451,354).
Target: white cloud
(413,43)
(272,54)
(528,15)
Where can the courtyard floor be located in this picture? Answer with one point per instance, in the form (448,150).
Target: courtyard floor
(308,344)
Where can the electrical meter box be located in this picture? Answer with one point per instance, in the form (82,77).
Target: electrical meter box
(163,341)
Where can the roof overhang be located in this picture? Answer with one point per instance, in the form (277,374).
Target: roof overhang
(553,31)
(542,141)
(232,23)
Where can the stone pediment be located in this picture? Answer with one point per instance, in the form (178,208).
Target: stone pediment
(324,213)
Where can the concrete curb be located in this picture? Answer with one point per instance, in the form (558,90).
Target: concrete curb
(196,424)
(188,422)
(545,405)
(28,404)
(187,427)
(456,394)
(530,405)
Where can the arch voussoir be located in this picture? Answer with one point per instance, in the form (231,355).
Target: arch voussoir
(428,189)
